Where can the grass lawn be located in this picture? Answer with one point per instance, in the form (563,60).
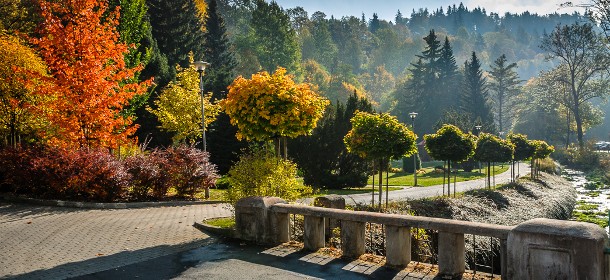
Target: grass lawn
(222,222)
(431,178)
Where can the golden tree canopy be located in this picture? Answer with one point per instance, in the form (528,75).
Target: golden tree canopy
(267,106)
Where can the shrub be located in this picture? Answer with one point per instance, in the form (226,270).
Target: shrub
(190,170)
(17,172)
(585,159)
(549,166)
(148,176)
(260,173)
(61,173)
(82,174)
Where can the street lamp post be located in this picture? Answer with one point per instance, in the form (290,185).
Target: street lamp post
(200,66)
(413,115)
(478,128)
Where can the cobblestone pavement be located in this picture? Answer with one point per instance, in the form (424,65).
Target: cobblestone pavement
(40,242)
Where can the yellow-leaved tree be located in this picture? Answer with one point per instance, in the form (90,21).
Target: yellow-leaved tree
(271,106)
(179,107)
(21,70)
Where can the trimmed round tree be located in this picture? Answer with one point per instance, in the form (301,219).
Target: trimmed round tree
(271,106)
(491,148)
(542,150)
(449,144)
(379,137)
(523,149)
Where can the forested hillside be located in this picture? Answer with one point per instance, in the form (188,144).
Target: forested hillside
(457,65)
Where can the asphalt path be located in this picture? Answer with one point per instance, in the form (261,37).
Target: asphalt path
(410,192)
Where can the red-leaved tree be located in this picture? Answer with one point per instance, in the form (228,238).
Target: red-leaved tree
(91,83)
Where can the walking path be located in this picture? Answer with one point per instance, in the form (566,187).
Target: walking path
(40,242)
(432,191)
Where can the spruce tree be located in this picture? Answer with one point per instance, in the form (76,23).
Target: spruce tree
(448,77)
(177,29)
(504,85)
(474,100)
(223,145)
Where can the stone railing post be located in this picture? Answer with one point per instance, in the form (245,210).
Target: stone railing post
(451,254)
(255,221)
(555,249)
(352,239)
(330,201)
(398,246)
(313,235)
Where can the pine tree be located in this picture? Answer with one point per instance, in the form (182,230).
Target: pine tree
(448,77)
(474,98)
(223,145)
(504,85)
(177,29)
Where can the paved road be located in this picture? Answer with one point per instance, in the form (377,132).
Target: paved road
(38,242)
(423,192)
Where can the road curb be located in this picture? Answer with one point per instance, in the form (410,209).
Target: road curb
(102,205)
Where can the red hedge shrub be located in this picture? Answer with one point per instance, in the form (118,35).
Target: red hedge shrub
(97,175)
(148,175)
(190,169)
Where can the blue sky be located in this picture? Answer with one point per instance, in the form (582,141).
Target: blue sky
(386,9)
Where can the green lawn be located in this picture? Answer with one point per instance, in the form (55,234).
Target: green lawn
(432,177)
(352,191)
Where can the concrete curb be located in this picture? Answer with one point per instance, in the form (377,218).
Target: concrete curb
(102,205)
(226,232)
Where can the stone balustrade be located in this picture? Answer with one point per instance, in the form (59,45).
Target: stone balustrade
(538,248)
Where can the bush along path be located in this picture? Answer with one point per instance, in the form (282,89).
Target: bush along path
(437,190)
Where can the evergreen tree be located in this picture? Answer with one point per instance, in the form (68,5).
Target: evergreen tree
(374,24)
(474,98)
(223,145)
(323,157)
(448,77)
(399,20)
(504,85)
(274,40)
(135,30)
(177,29)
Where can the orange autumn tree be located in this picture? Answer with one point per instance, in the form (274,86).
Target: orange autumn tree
(80,45)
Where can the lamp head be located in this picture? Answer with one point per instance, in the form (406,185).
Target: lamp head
(200,66)
(413,115)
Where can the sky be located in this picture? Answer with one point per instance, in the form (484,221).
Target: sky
(386,9)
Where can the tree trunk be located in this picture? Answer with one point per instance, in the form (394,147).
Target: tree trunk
(373,192)
(380,182)
(488,175)
(444,174)
(285,148)
(448,178)
(577,117)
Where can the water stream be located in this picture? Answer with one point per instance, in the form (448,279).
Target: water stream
(594,202)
